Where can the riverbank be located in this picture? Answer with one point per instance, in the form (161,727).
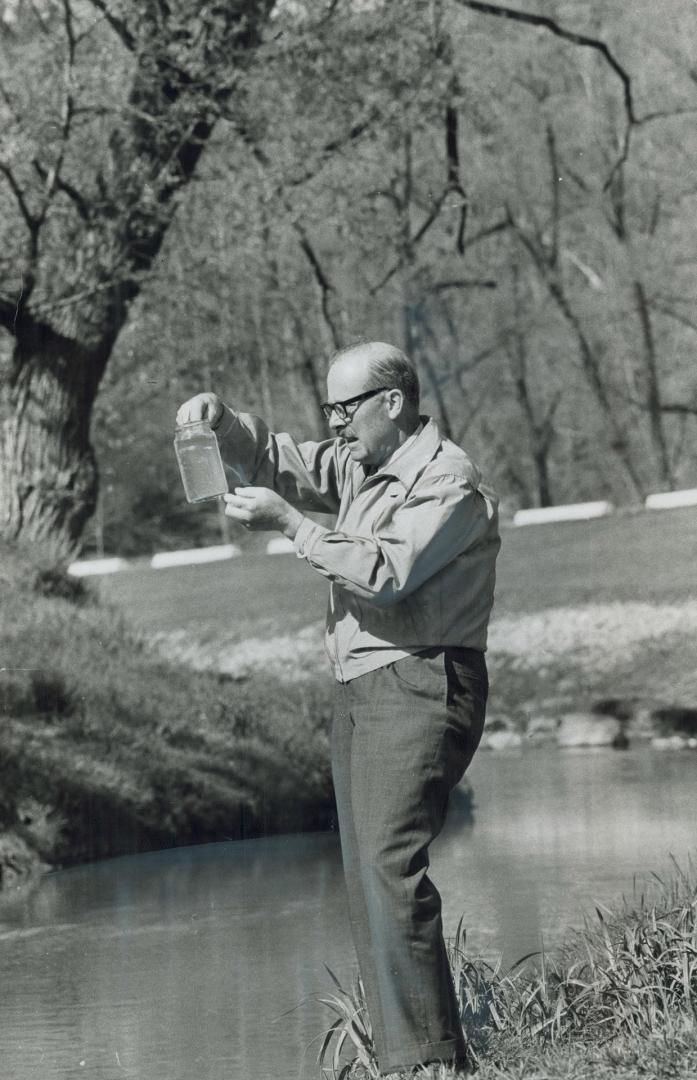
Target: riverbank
(174,707)
(595,674)
(592,640)
(106,748)
(618,999)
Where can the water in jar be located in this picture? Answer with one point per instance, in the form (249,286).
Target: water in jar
(200,465)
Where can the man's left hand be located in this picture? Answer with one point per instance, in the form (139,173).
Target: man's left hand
(261,508)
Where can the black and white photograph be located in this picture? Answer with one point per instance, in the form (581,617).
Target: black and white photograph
(348,540)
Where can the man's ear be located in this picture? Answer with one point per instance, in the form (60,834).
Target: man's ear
(395,399)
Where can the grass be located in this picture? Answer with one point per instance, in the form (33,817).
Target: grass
(107,748)
(618,999)
(621,582)
(644,556)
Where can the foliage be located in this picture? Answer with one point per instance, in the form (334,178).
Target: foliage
(628,978)
(421,173)
(128,752)
(509,198)
(108,109)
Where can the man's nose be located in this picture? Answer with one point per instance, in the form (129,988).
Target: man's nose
(336,423)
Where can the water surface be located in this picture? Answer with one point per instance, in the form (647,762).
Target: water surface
(202,963)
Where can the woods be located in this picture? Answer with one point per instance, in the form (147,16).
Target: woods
(218,196)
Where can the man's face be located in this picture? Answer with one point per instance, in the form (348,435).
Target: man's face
(370,433)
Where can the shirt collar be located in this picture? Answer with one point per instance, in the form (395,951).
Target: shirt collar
(411,456)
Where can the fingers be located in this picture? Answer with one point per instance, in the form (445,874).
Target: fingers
(251,507)
(239,506)
(248,493)
(201,407)
(237,497)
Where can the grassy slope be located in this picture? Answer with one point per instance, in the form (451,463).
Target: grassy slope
(578,593)
(619,1000)
(646,556)
(105,747)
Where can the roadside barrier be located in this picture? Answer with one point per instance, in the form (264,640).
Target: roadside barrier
(538,515)
(667,500)
(281,545)
(194,555)
(86,567)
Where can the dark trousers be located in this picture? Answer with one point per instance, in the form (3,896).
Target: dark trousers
(402,737)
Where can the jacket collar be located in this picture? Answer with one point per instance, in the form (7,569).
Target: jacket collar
(406,466)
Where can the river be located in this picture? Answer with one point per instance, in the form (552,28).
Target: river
(203,963)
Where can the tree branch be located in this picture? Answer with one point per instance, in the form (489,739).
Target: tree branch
(489,230)
(9,312)
(66,187)
(67,111)
(117,25)
(453,158)
(678,407)
(329,148)
(464,283)
(554,178)
(415,239)
(666,309)
(325,285)
(665,114)
(29,218)
(583,40)
(38,15)
(590,359)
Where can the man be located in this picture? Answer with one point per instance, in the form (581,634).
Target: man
(411,565)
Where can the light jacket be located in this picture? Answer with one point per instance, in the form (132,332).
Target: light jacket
(411,559)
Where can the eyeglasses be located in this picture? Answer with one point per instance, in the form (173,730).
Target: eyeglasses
(341,407)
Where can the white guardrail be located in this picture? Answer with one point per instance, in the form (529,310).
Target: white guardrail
(86,567)
(538,515)
(281,545)
(190,556)
(667,500)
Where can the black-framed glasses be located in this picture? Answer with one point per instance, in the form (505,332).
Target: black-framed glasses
(341,408)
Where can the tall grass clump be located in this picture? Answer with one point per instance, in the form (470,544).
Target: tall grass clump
(106,748)
(626,978)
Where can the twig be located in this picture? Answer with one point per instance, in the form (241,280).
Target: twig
(583,40)
(117,25)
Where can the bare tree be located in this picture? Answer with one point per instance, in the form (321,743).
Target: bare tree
(538,416)
(95,205)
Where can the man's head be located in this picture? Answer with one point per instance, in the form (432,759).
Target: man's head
(377,423)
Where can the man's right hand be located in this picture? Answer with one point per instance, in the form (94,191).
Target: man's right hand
(201,407)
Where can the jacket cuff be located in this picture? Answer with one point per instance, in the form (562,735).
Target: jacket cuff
(226,422)
(307,535)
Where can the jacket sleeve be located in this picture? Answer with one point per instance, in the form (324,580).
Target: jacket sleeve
(309,475)
(440,520)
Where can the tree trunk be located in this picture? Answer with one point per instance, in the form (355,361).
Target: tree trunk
(85,265)
(48,471)
(544,487)
(414,321)
(653,395)
(619,435)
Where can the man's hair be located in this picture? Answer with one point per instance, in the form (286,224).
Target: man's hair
(388,367)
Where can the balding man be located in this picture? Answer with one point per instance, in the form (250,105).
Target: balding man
(411,566)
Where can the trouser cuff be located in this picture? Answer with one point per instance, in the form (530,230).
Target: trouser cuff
(422,1054)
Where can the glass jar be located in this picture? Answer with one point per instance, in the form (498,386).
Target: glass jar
(200,464)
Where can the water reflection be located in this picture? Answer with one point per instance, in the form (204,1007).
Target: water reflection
(189,964)
(178,964)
